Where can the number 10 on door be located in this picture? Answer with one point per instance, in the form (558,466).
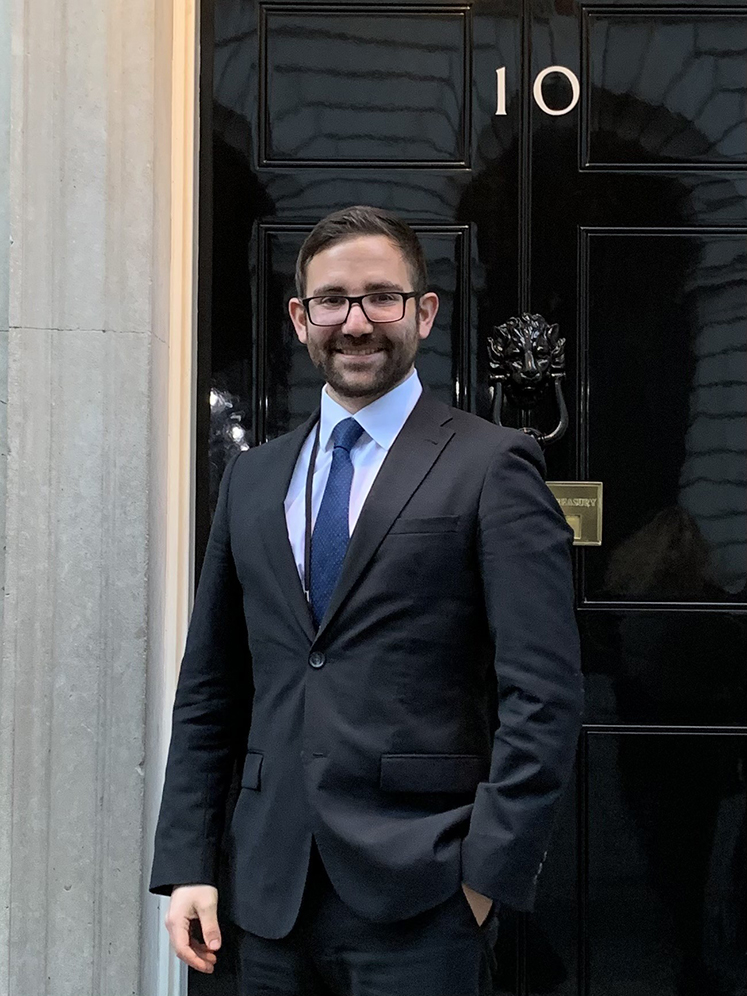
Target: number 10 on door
(500,94)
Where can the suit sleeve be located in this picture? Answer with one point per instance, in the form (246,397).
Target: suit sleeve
(524,547)
(211,718)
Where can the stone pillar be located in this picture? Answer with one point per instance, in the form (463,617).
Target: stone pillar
(86,306)
(5,705)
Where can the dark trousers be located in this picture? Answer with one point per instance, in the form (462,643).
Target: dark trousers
(331,951)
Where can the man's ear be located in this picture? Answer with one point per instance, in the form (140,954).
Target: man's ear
(297,313)
(427,311)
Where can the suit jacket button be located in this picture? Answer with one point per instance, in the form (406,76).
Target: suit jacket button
(316,659)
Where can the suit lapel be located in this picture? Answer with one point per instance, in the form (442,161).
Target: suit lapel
(413,453)
(273,526)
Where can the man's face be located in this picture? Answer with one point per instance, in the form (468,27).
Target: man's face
(362,360)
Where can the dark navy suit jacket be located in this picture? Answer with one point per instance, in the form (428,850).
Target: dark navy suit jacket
(425,732)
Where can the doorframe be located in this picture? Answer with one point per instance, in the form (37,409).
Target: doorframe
(173,435)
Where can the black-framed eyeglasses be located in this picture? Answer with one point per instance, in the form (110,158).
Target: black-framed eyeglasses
(378,306)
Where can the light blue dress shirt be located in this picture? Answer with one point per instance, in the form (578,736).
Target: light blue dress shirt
(382,421)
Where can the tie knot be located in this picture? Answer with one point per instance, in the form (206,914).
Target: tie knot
(346,433)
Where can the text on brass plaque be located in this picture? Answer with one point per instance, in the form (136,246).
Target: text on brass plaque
(581,502)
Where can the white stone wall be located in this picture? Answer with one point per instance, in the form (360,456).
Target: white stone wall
(87,310)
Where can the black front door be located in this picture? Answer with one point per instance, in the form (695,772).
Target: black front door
(587,162)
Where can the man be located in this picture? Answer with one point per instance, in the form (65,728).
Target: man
(384,636)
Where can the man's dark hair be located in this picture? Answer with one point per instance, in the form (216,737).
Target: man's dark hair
(351,222)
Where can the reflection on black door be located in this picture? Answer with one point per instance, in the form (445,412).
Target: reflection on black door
(625,221)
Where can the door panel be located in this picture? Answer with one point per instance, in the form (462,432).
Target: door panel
(665,863)
(664,88)
(663,335)
(365,81)
(625,221)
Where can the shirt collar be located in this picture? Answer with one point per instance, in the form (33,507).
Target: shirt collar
(382,419)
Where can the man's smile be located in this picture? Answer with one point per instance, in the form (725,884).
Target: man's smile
(360,352)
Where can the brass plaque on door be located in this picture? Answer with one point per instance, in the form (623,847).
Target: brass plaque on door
(581,502)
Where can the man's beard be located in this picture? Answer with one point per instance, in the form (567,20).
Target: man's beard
(382,375)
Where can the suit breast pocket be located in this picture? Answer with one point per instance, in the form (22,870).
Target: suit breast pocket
(427,524)
(430,555)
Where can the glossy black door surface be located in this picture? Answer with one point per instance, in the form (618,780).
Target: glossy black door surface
(624,219)
(638,200)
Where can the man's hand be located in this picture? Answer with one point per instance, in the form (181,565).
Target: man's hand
(479,904)
(188,903)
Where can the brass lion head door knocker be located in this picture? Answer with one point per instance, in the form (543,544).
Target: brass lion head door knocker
(526,355)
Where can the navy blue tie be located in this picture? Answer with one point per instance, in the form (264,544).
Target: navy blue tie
(329,541)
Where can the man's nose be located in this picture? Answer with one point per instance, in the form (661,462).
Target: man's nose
(356,322)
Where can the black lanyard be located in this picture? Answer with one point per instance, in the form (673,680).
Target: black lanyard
(307,534)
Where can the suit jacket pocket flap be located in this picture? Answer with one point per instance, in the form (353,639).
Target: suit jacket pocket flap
(429,524)
(432,772)
(252,766)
